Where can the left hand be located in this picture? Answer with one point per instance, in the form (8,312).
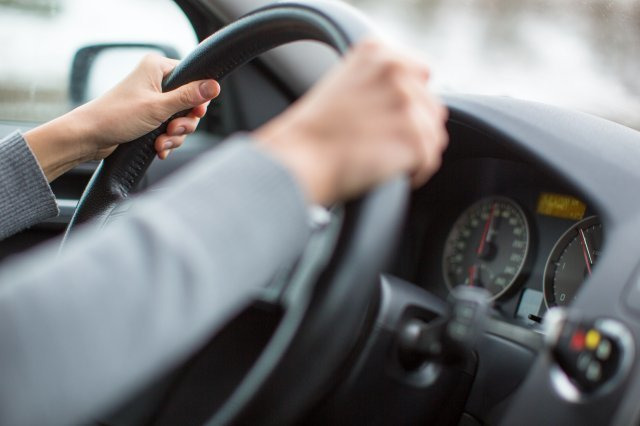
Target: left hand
(137,106)
(133,108)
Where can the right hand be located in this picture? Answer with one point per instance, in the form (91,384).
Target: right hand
(371,118)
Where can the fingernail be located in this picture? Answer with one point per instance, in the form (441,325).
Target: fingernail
(180,131)
(207,89)
(167,145)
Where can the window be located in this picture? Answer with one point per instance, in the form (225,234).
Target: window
(40,38)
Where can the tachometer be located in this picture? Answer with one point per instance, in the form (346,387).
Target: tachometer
(487,246)
(571,261)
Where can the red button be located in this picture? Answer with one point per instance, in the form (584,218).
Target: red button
(577,340)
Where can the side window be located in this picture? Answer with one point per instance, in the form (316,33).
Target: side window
(42,37)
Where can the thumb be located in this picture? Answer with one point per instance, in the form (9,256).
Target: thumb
(191,95)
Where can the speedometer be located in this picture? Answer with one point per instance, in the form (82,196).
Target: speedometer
(487,246)
(571,261)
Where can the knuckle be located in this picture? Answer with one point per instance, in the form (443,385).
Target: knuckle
(368,47)
(392,67)
(186,96)
(150,59)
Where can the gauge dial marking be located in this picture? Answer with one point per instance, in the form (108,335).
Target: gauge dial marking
(487,246)
(571,261)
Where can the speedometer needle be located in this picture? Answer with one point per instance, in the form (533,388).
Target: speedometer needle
(473,276)
(485,232)
(586,253)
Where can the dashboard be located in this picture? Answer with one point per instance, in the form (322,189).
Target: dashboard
(495,220)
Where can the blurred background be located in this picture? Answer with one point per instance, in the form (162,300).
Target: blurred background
(40,38)
(582,54)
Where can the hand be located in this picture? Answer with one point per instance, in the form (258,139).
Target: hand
(371,118)
(131,109)
(137,106)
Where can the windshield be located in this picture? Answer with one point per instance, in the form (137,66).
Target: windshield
(581,54)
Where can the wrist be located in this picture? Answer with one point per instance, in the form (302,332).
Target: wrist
(83,133)
(60,145)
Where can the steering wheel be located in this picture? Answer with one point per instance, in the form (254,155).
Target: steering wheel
(324,308)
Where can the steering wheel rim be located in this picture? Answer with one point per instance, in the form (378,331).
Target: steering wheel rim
(339,294)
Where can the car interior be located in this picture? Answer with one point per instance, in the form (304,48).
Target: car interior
(504,291)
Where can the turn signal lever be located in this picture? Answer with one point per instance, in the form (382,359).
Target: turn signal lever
(448,339)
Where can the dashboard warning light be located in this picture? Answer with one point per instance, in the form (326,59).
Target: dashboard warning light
(561,206)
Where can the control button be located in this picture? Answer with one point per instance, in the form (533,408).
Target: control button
(584,359)
(592,339)
(591,356)
(577,340)
(603,351)
(594,372)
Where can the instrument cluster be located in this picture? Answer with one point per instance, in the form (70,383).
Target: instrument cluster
(529,241)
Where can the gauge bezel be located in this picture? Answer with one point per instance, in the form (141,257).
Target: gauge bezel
(562,242)
(527,249)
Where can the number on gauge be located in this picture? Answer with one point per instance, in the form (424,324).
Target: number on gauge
(487,246)
(571,261)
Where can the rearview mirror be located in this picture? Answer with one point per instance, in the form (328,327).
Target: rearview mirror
(96,68)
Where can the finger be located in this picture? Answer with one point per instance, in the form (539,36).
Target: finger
(434,106)
(413,62)
(165,143)
(425,132)
(433,144)
(190,95)
(200,110)
(164,154)
(182,126)
(394,58)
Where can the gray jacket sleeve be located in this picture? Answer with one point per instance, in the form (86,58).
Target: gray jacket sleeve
(81,333)
(25,195)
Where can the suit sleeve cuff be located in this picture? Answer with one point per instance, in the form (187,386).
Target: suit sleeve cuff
(25,195)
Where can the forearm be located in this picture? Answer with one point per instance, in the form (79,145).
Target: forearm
(63,143)
(85,331)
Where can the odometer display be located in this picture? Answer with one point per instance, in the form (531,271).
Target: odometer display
(487,246)
(571,261)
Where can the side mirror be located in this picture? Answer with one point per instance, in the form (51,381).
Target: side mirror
(98,67)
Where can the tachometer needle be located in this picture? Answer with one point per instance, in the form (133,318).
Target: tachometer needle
(485,232)
(585,251)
